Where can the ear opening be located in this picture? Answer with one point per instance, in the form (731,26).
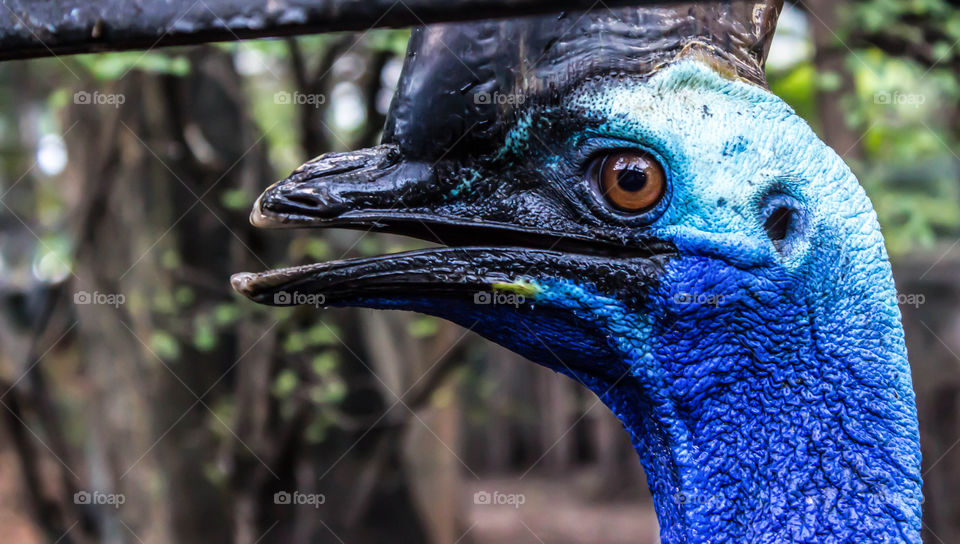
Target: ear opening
(784,221)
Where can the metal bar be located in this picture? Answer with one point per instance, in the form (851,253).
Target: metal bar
(41,28)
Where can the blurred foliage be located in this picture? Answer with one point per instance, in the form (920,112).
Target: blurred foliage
(914,21)
(903,109)
(266,63)
(265,66)
(904,104)
(114,66)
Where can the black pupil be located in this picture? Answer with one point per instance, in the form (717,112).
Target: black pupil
(631,180)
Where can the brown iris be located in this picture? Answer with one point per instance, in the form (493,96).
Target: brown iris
(631,181)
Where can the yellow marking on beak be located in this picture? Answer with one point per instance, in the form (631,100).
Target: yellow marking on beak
(521,287)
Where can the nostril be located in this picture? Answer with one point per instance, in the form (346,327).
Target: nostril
(303,202)
(303,199)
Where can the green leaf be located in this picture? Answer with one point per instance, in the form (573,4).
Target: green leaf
(796,88)
(184,295)
(164,345)
(369,246)
(163,302)
(321,335)
(236,199)
(331,392)
(317,248)
(204,336)
(170,259)
(226,314)
(110,66)
(953,25)
(295,342)
(285,383)
(829,81)
(943,51)
(58,99)
(325,364)
(316,431)
(390,40)
(423,327)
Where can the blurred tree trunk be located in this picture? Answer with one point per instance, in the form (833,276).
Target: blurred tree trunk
(502,364)
(557,439)
(608,443)
(933,336)
(147,372)
(829,56)
(123,378)
(435,468)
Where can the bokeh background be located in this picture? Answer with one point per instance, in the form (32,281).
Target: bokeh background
(142,401)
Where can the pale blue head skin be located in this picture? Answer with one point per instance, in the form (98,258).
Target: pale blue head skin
(778,407)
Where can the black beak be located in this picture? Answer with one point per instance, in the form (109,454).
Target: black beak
(452,272)
(375,189)
(334,189)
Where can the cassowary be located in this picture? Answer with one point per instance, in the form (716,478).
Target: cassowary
(684,246)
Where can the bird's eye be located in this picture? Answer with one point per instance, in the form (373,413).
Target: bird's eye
(630,181)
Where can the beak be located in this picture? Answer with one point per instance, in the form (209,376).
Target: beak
(452,273)
(375,189)
(335,189)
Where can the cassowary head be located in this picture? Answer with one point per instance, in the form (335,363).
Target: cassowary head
(622,200)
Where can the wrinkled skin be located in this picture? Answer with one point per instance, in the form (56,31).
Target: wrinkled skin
(760,371)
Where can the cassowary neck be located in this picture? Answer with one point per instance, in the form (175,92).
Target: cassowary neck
(780,419)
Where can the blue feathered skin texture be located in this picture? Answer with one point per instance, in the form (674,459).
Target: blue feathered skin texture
(763,377)
(769,395)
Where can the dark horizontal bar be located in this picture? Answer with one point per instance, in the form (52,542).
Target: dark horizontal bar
(41,28)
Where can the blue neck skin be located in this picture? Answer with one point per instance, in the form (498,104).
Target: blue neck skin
(761,413)
(766,389)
